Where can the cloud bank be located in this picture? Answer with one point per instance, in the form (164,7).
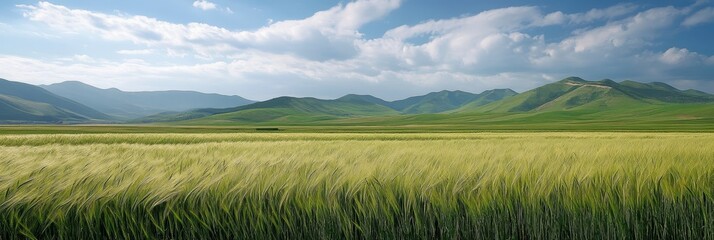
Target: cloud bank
(326,55)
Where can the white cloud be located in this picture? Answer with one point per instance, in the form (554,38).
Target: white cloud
(631,32)
(702,16)
(136,52)
(82,58)
(504,19)
(485,43)
(204,5)
(600,14)
(675,55)
(612,48)
(682,56)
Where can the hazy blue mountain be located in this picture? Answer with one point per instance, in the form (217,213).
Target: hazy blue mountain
(129,105)
(21,102)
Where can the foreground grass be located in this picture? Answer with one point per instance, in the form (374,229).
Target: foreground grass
(334,186)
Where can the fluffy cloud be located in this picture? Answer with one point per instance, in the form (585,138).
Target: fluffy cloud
(204,5)
(682,67)
(499,41)
(328,34)
(674,56)
(631,32)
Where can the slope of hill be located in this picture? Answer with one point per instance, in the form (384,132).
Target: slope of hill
(444,101)
(433,102)
(282,109)
(291,110)
(436,102)
(576,93)
(286,109)
(487,97)
(364,98)
(129,105)
(640,117)
(23,102)
(18,110)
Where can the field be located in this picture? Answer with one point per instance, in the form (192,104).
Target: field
(512,185)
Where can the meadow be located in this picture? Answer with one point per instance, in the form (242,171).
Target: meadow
(514,185)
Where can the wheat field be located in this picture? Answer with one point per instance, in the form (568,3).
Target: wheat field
(357,186)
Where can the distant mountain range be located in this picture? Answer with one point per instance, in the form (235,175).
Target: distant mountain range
(569,101)
(291,110)
(123,105)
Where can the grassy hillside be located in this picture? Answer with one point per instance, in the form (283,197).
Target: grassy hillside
(27,103)
(487,97)
(286,110)
(433,102)
(129,105)
(363,98)
(300,110)
(17,110)
(291,111)
(575,94)
(444,101)
(570,104)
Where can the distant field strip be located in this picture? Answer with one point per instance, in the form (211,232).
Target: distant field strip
(356,186)
(196,138)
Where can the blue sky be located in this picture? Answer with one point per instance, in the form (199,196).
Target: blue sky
(388,48)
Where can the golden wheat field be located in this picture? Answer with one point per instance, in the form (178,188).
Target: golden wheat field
(358,186)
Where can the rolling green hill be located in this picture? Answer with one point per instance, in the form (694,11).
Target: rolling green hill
(283,109)
(436,102)
(25,103)
(129,105)
(303,110)
(443,101)
(575,93)
(433,102)
(571,103)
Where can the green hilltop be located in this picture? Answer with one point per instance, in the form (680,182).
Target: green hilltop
(576,94)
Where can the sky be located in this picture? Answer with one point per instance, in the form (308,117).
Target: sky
(391,49)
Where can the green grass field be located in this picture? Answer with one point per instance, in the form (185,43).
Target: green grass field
(349,185)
